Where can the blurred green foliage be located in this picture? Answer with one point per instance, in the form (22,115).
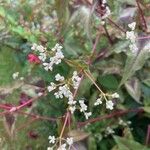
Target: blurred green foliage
(23,22)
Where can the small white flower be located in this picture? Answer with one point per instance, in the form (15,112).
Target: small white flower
(104,1)
(87,114)
(131,36)
(59,54)
(40,48)
(115,95)
(123,123)
(133,48)
(15,75)
(50,148)
(107,12)
(51,87)
(40,94)
(103,22)
(56,59)
(129,122)
(58,77)
(76,80)
(72,102)
(109,105)
(72,109)
(34,46)
(47,66)
(109,131)
(42,56)
(52,139)
(64,90)
(62,147)
(57,47)
(147,47)
(83,107)
(98,101)
(132,25)
(21,78)
(58,94)
(69,141)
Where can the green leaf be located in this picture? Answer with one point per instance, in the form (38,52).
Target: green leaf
(134,63)
(86,85)
(8,65)
(23,33)
(19,30)
(120,46)
(8,16)
(126,144)
(127,133)
(147,81)
(92,143)
(134,89)
(109,81)
(147,109)
(78,135)
(62,12)
(2,12)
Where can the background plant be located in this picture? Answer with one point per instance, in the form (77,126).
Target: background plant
(99,49)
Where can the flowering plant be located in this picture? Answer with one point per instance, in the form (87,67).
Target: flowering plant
(74,73)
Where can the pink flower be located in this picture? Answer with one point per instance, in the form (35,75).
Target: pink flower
(32,58)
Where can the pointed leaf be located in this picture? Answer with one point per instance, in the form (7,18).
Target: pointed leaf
(135,62)
(133,88)
(125,144)
(78,135)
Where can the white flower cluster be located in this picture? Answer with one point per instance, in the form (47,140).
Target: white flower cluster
(109,103)
(75,80)
(147,47)
(58,77)
(98,101)
(15,75)
(109,131)
(41,50)
(83,108)
(67,143)
(115,95)
(51,87)
(52,139)
(107,10)
(123,123)
(64,89)
(53,60)
(130,35)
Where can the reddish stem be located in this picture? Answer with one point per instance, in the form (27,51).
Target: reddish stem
(64,125)
(144,37)
(39,117)
(108,36)
(8,108)
(142,14)
(116,25)
(148,136)
(94,47)
(5,107)
(28,102)
(113,114)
